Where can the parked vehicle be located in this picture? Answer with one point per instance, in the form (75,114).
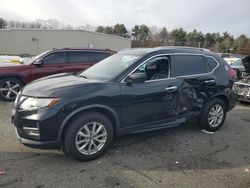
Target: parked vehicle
(242,87)
(14,76)
(238,67)
(132,91)
(9,59)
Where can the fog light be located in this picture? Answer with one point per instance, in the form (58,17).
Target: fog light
(32,131)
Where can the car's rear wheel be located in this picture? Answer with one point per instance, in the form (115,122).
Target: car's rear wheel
(88,136)
(213,115)
(9,88)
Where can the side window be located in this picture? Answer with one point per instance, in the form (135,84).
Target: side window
(210,64)
(156,68)
(55,58)
(98,56)
(188,65)
(78,57)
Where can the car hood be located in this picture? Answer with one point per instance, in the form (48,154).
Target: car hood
(246,63)
(237,67)
(7,64)
(58,85)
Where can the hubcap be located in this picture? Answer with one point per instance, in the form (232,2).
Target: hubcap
(10,89)
(91,138)
(215,115)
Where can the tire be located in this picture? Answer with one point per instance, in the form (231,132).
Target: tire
(80,131)
(206,119)
(9,88)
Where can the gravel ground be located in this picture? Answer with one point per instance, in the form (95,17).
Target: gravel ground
(176,157)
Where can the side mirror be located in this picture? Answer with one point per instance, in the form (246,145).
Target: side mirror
(38,62)
(136,78)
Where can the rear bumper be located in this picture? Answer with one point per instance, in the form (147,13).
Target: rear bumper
(232,101)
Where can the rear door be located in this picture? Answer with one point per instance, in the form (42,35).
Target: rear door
(199,81)
(78,60)
(53,63)
(98,56)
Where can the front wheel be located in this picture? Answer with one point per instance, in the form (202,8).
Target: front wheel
(9,88)
(88,136)
(213,115)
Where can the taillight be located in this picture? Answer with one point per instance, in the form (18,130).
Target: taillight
(232,73)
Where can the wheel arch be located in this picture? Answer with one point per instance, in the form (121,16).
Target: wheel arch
(105,110)
(19,77)
(224,98)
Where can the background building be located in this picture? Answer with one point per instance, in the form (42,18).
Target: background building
(34,41)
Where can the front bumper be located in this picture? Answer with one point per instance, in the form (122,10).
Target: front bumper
(38,129)
(243,91)
(243,98)
(38,144)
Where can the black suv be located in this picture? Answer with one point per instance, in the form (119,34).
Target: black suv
(132,91)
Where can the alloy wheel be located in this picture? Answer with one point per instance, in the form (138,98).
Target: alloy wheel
(91,138)
(10,89)
(215,115)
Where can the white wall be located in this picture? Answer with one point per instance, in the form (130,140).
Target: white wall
(35,41)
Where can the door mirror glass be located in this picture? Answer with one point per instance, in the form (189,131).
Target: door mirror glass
(136,78)
(38,62)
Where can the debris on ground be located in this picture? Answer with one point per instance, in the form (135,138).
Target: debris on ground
(2,172)
(205,131)
(247,170)
(176,162)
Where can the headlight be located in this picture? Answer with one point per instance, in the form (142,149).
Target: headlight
(17,98)
(37,103)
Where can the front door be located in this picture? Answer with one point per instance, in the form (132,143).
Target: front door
(153,102)
(53,63)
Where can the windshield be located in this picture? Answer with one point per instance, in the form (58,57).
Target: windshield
(110,67)
(238,62)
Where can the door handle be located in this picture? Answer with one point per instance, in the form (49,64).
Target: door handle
(171,88)
(210,81)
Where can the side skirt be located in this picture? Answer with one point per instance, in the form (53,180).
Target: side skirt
(153,126)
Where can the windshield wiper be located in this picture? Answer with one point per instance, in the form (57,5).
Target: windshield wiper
(79,75)
(83,76)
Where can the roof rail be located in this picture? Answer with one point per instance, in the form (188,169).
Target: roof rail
(184,47)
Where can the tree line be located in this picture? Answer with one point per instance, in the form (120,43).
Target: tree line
(145,36)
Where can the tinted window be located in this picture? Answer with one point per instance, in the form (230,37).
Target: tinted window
(98,56)
(55,58)
(156,68)
(188,65)
(210,64)
(78,57)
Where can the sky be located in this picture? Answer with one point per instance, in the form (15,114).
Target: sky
(204,15)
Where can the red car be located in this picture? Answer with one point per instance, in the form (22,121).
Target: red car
(14,76)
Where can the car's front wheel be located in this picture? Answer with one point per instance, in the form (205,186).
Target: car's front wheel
(213,115)
(9,88)
(88,136)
